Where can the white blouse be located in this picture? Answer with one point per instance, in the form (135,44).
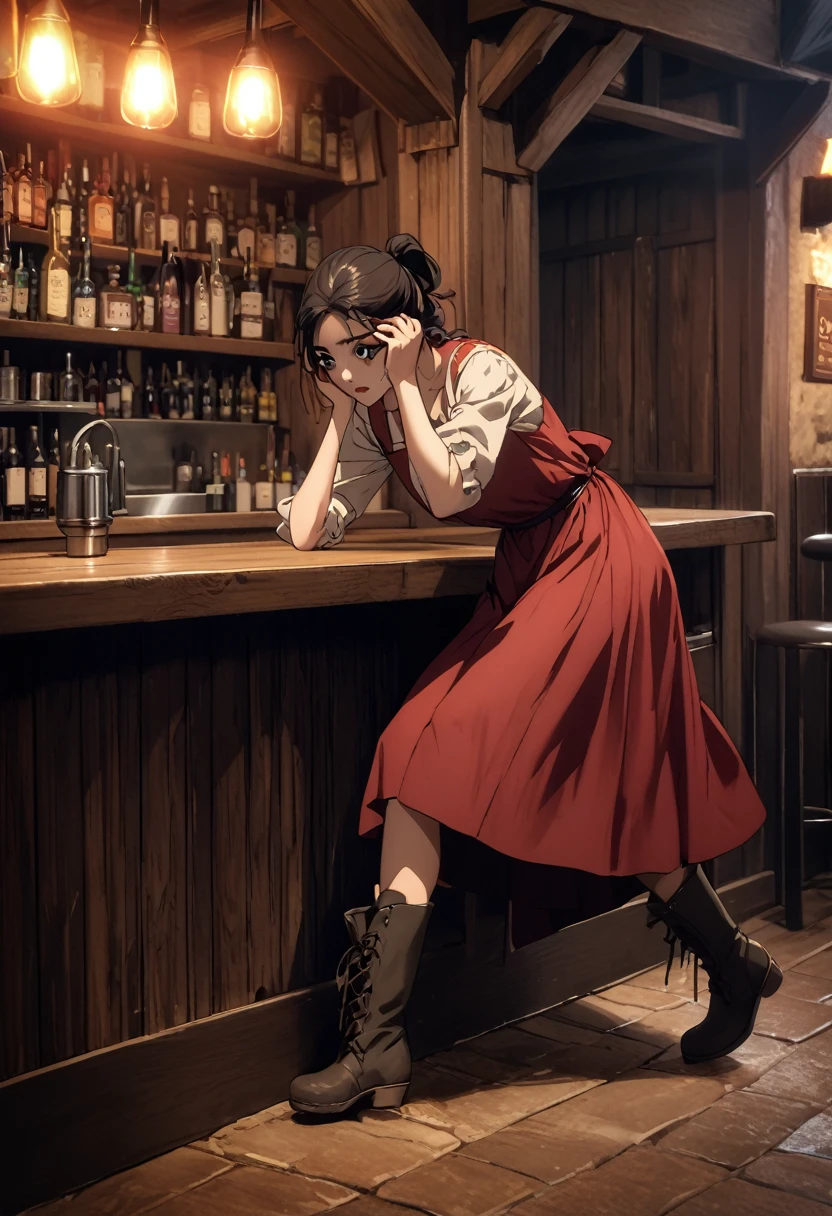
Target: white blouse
(492,395)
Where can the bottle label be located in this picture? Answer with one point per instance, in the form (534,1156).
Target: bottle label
(149,230)
(121,227)
(286,139)
(118,312)
(213,231)
(287,249)
(219,312)
(245,242)
(83,312)
(169,229)
(265,248)
(148,312)
(332,150)
(314,252)
(311,139)
(199,120)
(39,207)
(57,294)
(102,221)
(202,315)
(264,495)
(112,403)
(37,482)
(349,165)
(127,400)
(7,199)
(15,481)
(6,294)
(24,202)
(170,314)
(20,301)
(191,235)
(251,314)
(65,221)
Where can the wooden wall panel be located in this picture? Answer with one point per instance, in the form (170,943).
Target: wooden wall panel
(494,259)
(518,296)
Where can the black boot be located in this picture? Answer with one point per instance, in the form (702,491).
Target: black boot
(741,971)
(375,976)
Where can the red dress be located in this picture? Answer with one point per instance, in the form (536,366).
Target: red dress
(560,739)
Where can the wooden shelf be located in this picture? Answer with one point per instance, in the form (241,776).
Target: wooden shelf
(237,161)
(47,407)
(22,234)
(132,339)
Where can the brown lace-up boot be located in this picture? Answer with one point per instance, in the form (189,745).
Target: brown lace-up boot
(740,970)
(375,977)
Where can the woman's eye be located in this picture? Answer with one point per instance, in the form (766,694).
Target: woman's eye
(366,352)
(326,362)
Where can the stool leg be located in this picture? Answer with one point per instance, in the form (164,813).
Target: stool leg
(793,793)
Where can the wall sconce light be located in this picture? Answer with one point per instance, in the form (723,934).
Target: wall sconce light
(8,39)
(48,72)
(148,94)
(816,201)
(253,106)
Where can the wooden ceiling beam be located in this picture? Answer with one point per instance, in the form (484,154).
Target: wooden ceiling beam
(525,46)
(218,26)
(385,47)
(664,122)
(575,97)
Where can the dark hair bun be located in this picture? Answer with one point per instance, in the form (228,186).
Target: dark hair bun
(409,253)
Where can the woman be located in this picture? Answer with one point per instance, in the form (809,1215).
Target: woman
(562,731)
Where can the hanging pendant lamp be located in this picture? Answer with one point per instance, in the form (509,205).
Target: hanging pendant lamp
(8,39)
(253,107)
(148,94)
(48,73)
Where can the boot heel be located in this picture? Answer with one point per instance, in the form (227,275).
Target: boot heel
(773,980)
(389,1095)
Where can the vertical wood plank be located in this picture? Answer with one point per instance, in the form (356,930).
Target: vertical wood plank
(519,301)
(591,343)
(571,410)
(429,201)
(453,281)
(552,345)
(293,736)
(264,821)
(408,193)
(494,258)
(199,827)
(472,194)
(701,357)
(617,359)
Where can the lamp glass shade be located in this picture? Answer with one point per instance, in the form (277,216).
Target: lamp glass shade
(48,72)
(148,94)
(253,107)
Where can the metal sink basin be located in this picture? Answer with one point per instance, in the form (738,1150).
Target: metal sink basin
(165,504)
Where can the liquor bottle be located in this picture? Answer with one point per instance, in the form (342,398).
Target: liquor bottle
(81,211)
(6,276)
(263,395)
(22,192)
(213,227)
(287,316)
(7,179)
(219,304)
(202,302)
(170,294)
(150,398)
(33,311)
(208,397)
(20,293)
(91,66)
(170,401)
(184,391)
(52,475)
(231,226)
(313,243)
(248,398)
(199,114)
(349,160)
(134,286)
(14,480)
(332,129)
(127,391)
(168,222)
(264,252)
(287,136)
(147,229)
(101,384)
(83,293)
(268,313)
(100,211)
(91,385)
(191,226)
(149,304)
(250,323)
(52,181)
(54,281)
(242,497)
(215,490)
(63,206)
(227,481)
(117,308)
(39,199)
(36,478)
(227,400)
(311,130)
(289,237)
(123,225)
(71,386)
(112,397)
(247,232)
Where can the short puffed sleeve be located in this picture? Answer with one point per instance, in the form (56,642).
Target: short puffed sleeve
(361,471)
(491,395)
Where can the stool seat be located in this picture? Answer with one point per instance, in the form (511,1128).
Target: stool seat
(819,546)
(805,634)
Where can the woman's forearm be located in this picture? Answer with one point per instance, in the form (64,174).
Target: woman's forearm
(311,502)
(437,467)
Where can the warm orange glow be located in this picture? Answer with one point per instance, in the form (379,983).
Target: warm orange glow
(826,167)
(48,71)
(822,267)
(253,106)
(8,39)
(148,95)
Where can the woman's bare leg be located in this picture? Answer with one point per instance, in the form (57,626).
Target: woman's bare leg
(664,885)
(409,853)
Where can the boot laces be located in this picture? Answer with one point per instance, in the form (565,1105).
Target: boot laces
(695,949)
(352,979)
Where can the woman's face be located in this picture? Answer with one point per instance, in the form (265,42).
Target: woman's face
(352,358)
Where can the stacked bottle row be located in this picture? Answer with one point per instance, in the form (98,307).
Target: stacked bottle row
(28,481)
(132,214)
(228,486)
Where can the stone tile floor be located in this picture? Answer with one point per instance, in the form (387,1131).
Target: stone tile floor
(584,1110)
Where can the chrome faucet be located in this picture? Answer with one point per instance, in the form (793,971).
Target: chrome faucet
(90,495)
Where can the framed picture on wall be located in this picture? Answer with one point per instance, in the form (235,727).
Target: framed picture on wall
(818,356)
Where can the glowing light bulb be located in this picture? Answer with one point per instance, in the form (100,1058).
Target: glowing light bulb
(148,94)
(826,167)
(253,106)
(48,71)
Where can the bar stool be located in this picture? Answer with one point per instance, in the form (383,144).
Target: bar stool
(792,637)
